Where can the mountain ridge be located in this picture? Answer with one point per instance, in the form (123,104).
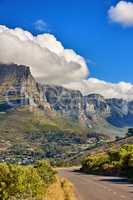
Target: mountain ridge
(17,81)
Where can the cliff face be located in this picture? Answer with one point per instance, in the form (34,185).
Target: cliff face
(89,109)
(73,104)
(67,102)
(18,87)
(121,114)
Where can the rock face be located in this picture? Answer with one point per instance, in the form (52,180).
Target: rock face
(18,87)
(91,108)
(67,102)
(121,112)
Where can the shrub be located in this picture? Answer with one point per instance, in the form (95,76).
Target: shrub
(114,162)
(24,182)
(94,163)
(45,171)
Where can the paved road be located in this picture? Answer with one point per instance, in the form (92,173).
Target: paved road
(90,187)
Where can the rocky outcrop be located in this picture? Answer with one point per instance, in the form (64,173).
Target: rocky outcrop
(18,87)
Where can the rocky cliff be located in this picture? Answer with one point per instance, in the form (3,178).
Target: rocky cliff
(18,87)
(121,112)
(89,109)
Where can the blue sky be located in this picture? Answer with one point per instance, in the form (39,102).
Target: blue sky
(82,25)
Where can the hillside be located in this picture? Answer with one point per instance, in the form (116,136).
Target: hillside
(107,146)
(101,148)
(115,161)
(27,136)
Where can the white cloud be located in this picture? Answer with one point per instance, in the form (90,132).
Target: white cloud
(122,13)
(108,90)
(49,61)
(40,25)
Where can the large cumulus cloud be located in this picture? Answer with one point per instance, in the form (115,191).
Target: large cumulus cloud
(119,90)
(49,61)
(52,64)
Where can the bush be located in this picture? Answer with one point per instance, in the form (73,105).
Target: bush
(95,163)
(44,170)
(114,162)
(24,182)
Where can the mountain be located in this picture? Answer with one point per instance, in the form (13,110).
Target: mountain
(18,87)
(121,112)
(90,110)
(52,122)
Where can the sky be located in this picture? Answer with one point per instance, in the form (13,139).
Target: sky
(101,31)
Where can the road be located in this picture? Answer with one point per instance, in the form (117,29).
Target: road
(91,187)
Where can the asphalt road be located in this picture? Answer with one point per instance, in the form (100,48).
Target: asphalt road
(91,187)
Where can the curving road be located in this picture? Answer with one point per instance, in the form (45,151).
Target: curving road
(91,187)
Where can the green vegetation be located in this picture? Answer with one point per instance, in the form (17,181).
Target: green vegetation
(26,137)
(24,182)
(114,162)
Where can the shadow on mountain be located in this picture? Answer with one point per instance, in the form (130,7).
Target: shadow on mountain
(120,121)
